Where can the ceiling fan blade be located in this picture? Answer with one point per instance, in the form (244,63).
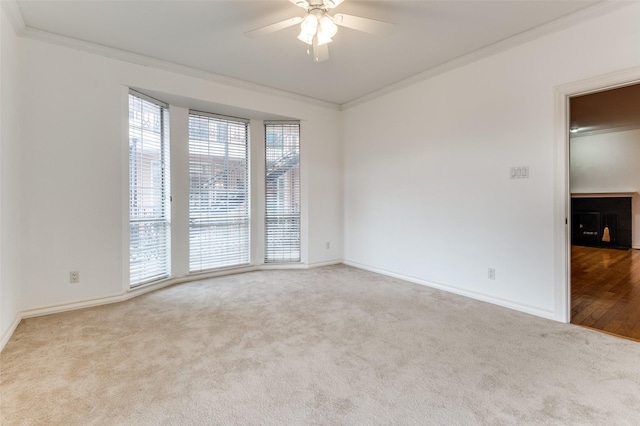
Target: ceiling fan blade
(300,3)
(330,3)
(367,25)
(273,27)
(320,51)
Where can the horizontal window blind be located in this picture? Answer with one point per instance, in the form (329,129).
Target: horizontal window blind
(282,182)
(219,192)
(149,207)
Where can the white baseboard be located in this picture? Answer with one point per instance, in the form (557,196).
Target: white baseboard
(280,266)
(146,288)
(326,263)
(80,304)
(53,309)
(470,294)
(143,289)
(134,292)
(7,335)
(212,274)
(271,266)
(636,247)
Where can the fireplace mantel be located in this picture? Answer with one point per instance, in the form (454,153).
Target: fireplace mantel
(603,194)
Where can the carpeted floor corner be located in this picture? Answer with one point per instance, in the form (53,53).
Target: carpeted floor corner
(328,346)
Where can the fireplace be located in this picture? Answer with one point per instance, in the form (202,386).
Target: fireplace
(601,221)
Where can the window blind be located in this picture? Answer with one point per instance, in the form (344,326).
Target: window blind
(219,192)
(149,206)
(282,183)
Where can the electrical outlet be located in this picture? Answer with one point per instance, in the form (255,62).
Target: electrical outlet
(328,245)
(74,277)
(492,274)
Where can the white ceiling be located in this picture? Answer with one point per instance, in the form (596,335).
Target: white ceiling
(208,35)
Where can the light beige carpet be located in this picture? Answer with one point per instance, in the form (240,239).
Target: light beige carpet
(328,346)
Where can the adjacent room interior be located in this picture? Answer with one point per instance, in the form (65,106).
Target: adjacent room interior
(605,207)
(317,212)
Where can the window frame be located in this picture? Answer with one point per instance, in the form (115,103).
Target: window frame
(291,251)
(241,222)
(161,209)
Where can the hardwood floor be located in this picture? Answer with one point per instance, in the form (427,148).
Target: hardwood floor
(605,290)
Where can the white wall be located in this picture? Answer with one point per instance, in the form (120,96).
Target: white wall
(608,162)
(9,180)
(427,189)
(74,170)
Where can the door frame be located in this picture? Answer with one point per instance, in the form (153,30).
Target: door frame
(562,195)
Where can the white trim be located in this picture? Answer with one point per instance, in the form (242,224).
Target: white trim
(14,15)
(257,201)
(561,199)
(129,294)
(80,304)
(285,266)
(298,265)
(157,285)
(196,276)
(124,188)
(561,203)
(7,335)
(560,24)
(325,263)
(548,314)
(150,286)
(150,99)
(603,194)
(303,185)
(161,64)
(635,247)
(597,10)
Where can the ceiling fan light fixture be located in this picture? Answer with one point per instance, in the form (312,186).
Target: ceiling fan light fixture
(324,36)
(317,26)
(305,38)
(320,26)
(327,27)
(309,25)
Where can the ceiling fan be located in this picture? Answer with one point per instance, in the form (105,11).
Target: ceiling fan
(317,27)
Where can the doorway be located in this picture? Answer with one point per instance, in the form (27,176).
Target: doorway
(604,210)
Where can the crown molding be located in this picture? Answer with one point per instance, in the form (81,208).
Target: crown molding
(13,12)
(15,16)
(138,59)
(591,12)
